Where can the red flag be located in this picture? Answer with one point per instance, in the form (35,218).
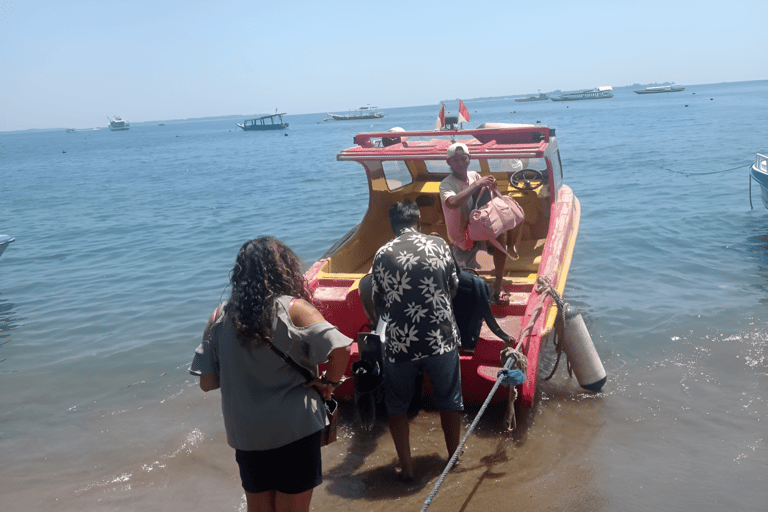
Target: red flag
(440,123)
(463,113)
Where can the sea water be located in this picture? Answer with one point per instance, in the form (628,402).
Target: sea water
(124,242)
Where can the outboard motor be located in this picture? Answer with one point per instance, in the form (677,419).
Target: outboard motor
(367,376)
(583,358)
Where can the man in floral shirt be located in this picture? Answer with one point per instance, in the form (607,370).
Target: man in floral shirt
(414,280)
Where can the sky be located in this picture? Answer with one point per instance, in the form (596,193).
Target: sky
(73,63)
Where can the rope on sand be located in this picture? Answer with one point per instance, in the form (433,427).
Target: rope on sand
(504,376)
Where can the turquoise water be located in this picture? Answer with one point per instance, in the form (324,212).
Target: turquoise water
(124,241)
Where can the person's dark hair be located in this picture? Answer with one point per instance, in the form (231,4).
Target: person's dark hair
(265,269)
(404,214)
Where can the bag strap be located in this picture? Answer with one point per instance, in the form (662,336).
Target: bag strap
(304,372)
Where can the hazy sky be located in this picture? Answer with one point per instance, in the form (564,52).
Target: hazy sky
(72,63)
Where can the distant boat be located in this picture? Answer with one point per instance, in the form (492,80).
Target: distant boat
(270,122)
(71,130)
(361,113)
(604,91)
(660,88)
(5,240)
(540,97)
(759,173)
(118,124)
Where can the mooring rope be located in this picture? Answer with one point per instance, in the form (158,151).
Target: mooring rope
(703,173)
(505,374)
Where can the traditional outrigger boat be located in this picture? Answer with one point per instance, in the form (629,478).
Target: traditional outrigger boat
(361,113)
(411,165)
(269,122)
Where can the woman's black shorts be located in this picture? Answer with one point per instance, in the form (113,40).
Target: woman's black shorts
(290,469)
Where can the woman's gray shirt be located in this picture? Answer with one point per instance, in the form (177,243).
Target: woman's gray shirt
(264,400)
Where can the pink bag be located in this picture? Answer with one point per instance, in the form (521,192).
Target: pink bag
(499,215)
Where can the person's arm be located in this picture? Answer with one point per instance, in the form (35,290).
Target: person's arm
(304,314)
(208,381)
(456,200)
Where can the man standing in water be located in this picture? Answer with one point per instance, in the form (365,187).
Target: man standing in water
(414,279)
(458,193)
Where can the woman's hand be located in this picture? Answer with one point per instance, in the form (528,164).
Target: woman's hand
(326,390)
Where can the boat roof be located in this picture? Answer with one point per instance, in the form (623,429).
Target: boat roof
(270,115)
(489,140)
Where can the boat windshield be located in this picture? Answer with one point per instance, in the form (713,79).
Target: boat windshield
(398,175)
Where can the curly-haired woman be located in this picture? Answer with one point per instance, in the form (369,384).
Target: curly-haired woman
(273,419)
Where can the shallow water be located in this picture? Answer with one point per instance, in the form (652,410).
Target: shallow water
(123,245)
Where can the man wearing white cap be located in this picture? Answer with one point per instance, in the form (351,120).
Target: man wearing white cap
(456,195)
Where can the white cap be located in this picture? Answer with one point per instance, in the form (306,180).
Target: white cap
(455,147)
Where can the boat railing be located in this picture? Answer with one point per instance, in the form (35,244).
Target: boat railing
(761,162)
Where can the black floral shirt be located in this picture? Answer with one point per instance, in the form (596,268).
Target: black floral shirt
(414,279)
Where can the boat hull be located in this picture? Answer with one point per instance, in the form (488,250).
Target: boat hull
(264,127)
(579,98)
(5,241)
(761,177)
(355,118)
(337,297)
(660,91)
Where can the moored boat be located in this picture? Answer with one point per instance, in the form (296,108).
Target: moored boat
(759,173)
(118,124)
(270,122)
(660,89)
(541,97)
(411,166)
(5,240)
(604,91)
(361,113)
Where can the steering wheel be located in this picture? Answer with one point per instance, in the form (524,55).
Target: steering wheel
(527,179)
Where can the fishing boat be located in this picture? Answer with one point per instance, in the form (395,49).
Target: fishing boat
(5,240)
(604,91)
(270,122)
(660,89)
(541,97)
(759,173)
(411,166)
(118,124)
(71,130)
(361,113)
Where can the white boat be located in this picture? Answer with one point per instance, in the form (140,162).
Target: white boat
(5,241)
(361,113)
(604,91)
(759,173)
(660,89)
(118,123)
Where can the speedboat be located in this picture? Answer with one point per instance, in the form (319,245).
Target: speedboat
(270,122)
(411,165)
(5,241)
(759,173)
(118,124)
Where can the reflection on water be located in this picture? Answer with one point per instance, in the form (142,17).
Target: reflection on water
(8,321)
(757,246)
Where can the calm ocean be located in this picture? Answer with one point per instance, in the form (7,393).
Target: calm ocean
(124,241)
